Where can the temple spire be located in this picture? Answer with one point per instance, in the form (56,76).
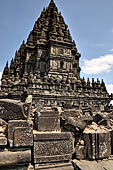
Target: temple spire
(52,1)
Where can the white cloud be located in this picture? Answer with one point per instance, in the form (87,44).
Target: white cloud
(111,50)
(0,76)
(98,65)
(109,88)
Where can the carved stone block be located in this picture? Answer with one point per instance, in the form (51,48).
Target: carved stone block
(49,124)
(104,145)
(3,141)
(48,121)
(23,136)
(52,147)
(90,146)
(13,131)
(80,152)
(12,110)
(97,145)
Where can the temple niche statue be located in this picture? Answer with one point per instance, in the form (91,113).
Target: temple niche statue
(50,117)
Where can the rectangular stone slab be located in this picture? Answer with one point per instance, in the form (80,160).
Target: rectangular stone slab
(12,124)
(53,147)
(104,145)
(52,136)
(49,113)
(97,145)
(80,152)
(47,121)
(23,136)
(11,158)
(57,166)
(48,124)
(12,110)
(17,167)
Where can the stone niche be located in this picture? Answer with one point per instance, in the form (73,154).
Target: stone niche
(53,147)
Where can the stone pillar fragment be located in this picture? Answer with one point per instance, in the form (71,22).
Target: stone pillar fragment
(97,145)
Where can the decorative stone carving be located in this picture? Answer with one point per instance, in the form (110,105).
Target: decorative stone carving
(50,147)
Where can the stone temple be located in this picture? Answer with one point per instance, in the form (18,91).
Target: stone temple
(50,117)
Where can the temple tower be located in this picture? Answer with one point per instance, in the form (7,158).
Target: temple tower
(47,66)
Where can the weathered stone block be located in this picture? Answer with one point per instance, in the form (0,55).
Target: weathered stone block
(49,124)
(15,157)
(12,132)
(90,146)
(23,136)
(18,167)
(52,147)
(80,152)
(60,166)
(12,110)
(97,145)
(47,121)
(104,145)
(72,122)
(3,141)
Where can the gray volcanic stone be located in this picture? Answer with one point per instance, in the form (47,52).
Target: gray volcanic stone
(74,121)
(16,140)
(23,136)
(16,157)
(80,152)
(47,120)
(3,141)
(49,124)
(97,145)
(12,110)
(54,148)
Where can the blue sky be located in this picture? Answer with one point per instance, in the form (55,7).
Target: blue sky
(90,23)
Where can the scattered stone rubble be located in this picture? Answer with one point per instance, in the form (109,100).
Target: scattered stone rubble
(50,117)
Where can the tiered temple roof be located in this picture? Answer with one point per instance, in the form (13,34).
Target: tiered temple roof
(47,66)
